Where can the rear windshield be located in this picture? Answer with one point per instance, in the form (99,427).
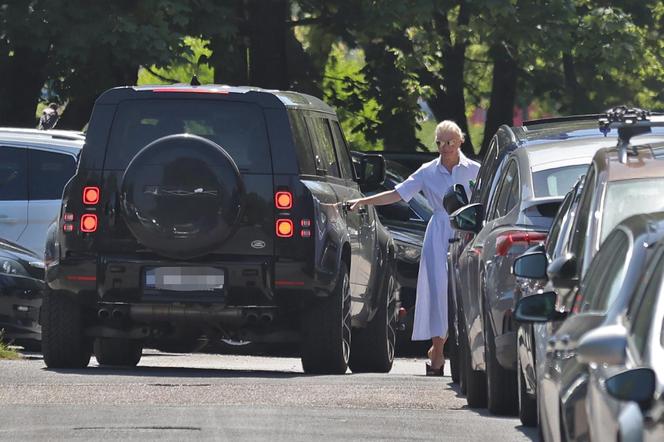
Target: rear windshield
(626,198)
(237,127)
(558,181)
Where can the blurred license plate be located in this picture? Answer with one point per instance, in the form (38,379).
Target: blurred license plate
(184,279)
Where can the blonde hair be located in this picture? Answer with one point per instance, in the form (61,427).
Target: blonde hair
(449,126)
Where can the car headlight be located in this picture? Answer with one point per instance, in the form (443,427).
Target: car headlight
(11,267)
(408,252)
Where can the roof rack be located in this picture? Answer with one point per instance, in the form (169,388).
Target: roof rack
(630,122)
(561,119)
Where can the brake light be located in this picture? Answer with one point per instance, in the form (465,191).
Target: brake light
(68,217)
(507,240)
(90,195)
(284,228)
(283,200)
(89,223)
(191,90)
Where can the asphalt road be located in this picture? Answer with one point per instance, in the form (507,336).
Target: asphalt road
(213,397)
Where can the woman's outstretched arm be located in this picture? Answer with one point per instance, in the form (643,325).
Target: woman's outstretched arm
(379,199)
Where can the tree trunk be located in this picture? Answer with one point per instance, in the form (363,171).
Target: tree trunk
(267,43)
(449,102)
(503,92)
(21,78)
(578,100)
(229,54)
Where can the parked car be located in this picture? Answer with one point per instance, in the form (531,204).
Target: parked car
(625,398)
(35,165)
(530,277)
(21,290)
(530,189)
(210,212)
(616,187)
(409,161)
(615,274)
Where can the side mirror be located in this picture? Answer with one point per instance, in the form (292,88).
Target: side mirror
(540,307)
(603,345)
(371,171)
(455,198)
(531,265)
(636,385)
(563,271)
(468,218)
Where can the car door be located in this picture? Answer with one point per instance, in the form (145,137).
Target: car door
(48,173)
(13,192)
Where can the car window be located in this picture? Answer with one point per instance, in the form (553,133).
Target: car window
(616,270)
(557,223)
(345,164)
(641,316)
(49,172)
(13,174)
(321,138)
(558,181)
(515,192)
(303,150)
(606,272)
(239,128)
(578,239)
(505,191)
(626,198)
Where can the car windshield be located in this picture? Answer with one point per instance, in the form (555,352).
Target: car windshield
(237,127)
(558,181)
(626,198)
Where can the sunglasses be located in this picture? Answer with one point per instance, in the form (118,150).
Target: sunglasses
(445,142)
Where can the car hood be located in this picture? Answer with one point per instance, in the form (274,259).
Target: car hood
(413,237)
(32,263)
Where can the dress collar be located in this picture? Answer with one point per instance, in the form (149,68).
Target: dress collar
(463,161)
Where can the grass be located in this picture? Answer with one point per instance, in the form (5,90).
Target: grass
(5,351)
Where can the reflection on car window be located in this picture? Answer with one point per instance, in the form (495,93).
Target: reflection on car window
(558,181)
(49,172)
(642,318)
(13,174)
(627,198)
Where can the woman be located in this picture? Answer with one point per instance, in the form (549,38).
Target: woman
(434,179)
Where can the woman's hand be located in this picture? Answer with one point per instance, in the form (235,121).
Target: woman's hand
(352,204)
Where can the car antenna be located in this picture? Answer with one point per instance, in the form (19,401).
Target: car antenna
(628,128)
(194,81)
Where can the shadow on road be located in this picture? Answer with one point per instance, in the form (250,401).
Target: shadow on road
(529,432)
(179,372)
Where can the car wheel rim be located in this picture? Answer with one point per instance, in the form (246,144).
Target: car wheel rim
(345,319)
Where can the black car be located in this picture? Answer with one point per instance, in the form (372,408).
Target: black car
(21,290)
(201,213)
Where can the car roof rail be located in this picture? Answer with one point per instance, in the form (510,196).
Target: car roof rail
(630,122)
(563,119)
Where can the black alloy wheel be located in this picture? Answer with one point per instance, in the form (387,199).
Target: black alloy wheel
(527,403)
(475,380)
(501,387)
(452,340)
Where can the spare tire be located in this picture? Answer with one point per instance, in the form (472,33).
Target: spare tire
(181,196)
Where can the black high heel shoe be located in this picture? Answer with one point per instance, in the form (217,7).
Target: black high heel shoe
(435,371)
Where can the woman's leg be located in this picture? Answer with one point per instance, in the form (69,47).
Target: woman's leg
(437,357)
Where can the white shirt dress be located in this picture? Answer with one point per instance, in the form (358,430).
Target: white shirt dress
(434,180)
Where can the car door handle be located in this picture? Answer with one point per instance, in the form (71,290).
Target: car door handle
(7,220)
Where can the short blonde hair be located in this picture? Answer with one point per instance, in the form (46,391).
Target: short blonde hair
(449,126)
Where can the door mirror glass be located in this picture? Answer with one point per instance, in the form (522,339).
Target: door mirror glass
(455,198)
(563,271)
(531,265)
(603,345)
(468,218)
(540,307)
(636,385)
(371,172)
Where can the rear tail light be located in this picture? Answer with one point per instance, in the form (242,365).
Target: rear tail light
(283,200)
(89,223)
(305,233)
(90,195)
(285,228)
(507,240)
(68,217)
(68,227)
(306,223)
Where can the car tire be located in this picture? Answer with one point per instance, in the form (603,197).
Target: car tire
(118,352)
(453,354)
(475,380)
(63,341)
(373,346)
(501,387)
(327,330)
(527,403)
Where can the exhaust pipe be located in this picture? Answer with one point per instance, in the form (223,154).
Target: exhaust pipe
(103,313)
(117,314)
(266,318)
(252,318)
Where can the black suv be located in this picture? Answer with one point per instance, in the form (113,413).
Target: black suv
(201,213)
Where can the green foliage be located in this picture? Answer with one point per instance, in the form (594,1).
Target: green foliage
(5,351)
(191,61)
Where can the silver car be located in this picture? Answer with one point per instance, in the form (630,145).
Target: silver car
(35,165)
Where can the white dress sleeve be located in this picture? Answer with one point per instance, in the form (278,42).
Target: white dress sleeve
(411,186)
